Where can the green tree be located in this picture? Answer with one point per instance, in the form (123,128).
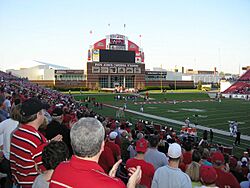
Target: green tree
(199,86)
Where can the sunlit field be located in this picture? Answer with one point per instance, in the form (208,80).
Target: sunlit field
(197,106)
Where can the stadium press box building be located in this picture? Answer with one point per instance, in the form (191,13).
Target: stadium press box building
(114,62)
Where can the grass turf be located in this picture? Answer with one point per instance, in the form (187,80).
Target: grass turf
(203,112)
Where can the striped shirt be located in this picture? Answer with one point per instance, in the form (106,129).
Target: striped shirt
(26,155)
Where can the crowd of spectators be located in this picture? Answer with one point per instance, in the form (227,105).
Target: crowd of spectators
(50,140)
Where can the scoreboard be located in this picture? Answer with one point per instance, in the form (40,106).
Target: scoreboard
(120,56)
(115,48)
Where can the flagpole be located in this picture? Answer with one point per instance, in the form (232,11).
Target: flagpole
(91,38)
(90,46)
(109,29)
(140,41)
(124,26)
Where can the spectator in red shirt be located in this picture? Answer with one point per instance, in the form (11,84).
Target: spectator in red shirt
(106,160)
(225,178)
(82,170)
(113,146)
(187,155)
(147,168)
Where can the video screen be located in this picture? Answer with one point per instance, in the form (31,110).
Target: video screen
(117,56)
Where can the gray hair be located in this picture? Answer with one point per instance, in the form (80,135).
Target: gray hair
(87,136)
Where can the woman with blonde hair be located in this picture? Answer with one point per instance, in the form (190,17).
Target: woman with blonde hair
(193,169)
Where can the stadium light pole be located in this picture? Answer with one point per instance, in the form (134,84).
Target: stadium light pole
(161,78)
(175,78)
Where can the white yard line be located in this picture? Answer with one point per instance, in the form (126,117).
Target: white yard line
(225,133)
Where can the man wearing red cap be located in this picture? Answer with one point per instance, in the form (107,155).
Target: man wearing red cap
(208,176)
(147,168)
(224,179)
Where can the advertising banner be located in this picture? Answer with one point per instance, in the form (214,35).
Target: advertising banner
(95,69)
(104,70)
(137,70)
(129,70)
(121,70)
(112,70)
(96,55)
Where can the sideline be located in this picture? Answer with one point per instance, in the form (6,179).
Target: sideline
(225,133)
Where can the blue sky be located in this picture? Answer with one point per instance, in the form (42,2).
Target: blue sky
(198,34)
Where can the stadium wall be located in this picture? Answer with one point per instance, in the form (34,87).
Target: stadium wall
(70,84)
(171,84)
(44,83)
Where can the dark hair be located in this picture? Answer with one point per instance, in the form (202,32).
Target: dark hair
(15,113)
(174,159)
(27,119)
(187,146)
(153,140)
(196,156)
(17,101)
(54,153)
(226,157)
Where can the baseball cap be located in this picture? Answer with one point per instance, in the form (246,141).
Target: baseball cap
(169,137)
(217,157)
(244,161)
(141,145)
(32,106)
(208,174)
(174,150)
(113,135)
(57,112)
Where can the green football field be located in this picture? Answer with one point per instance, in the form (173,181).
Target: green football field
(177,106)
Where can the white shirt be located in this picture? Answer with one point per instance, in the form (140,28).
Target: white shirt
(6,129)
(1,139)
(168,177)
(7,103)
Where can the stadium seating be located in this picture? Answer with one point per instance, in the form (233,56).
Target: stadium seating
(245,76)
(241,86)
(12,85)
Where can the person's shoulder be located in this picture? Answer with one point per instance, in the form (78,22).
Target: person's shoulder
(107,149)
(149,166)
(159,172)
(40,182)
(161,154)
(183,173)
(161,169)
(4,122)
(64,165)
(59,172)
(130,160)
